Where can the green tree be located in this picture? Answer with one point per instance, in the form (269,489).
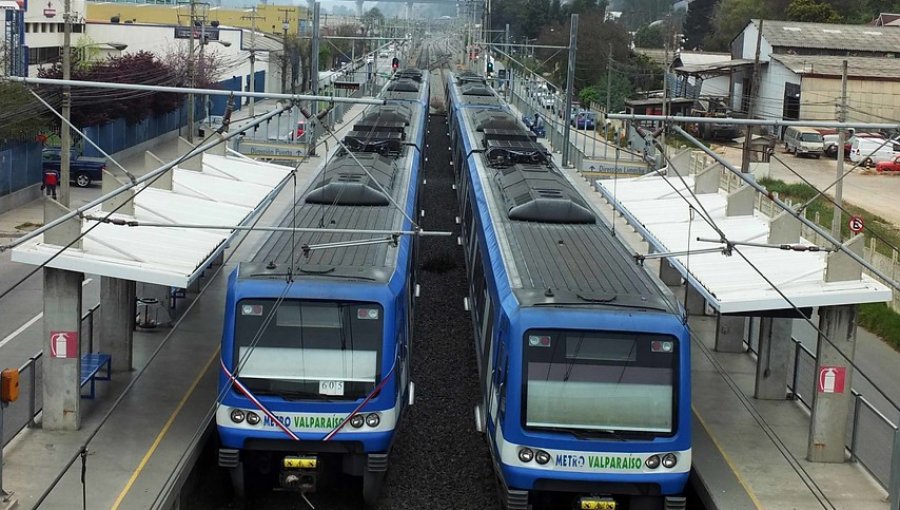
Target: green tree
(698,22)
(21,115)
(650,36)
(812,11)
(730,17)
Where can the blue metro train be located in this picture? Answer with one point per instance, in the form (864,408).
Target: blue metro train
(316,343)
(584,358)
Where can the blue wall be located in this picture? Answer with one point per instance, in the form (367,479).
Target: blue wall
(20,166)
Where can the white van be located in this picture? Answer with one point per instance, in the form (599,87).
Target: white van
(804,141)
(870,151)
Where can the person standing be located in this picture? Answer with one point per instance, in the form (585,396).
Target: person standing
(50,181)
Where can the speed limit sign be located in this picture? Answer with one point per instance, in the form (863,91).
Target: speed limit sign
(856,224)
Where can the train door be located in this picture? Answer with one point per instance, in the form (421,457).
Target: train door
(498,391)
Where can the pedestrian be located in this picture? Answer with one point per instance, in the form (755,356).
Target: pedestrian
(49,183)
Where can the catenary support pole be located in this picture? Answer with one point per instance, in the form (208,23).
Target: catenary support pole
(751,108)
(314,77)
(570,88)
(836,220)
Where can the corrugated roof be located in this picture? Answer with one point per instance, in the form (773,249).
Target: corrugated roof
(829,36)
(861,67)
(227,192)
(730,283)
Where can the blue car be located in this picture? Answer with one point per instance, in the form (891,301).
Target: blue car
(583,120)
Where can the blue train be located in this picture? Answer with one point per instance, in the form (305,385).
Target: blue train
(316,343)
(584,358)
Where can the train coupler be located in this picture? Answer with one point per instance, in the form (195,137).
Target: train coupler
(299,473)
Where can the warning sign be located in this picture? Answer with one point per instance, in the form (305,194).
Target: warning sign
(63,344)
(831,379)
(856,224)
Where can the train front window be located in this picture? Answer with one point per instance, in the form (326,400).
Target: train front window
(308,349)
(601,381)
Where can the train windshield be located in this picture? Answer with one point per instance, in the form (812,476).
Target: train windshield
(601,381)
(308,349)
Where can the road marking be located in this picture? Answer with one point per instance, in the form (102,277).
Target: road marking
(162,433)
(31,322)
(731,466)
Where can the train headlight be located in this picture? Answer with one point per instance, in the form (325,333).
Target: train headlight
(525,454)
(252,418)
(669,460)
(357,421)
(237,415)
(542,457)
(652,462)
(373,420)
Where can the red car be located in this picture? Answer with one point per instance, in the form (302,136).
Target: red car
(891,165)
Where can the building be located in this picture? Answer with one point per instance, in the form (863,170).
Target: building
(800,70)
(98,39)
(12,37)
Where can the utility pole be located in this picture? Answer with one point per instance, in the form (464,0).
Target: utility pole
(285,24)
(253,17)
(665,94)
(65,156)
(191,77)
(842,135)
(754,86)
(570,87)
(608,102)
(314,79)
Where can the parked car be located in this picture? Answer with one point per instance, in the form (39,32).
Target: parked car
(803,141)
(848,145)
(871,151)
(892,165)
(82,171)
(584,120)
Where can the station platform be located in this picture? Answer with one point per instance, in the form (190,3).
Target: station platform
(145,429)
(748,453)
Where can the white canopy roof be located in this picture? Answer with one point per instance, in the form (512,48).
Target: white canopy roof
(729,283)
(229,191)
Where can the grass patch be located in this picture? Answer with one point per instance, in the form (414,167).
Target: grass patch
(877,227)
(882,321)
(877,318)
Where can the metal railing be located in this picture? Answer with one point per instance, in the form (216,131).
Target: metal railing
(871,429)
(17,417)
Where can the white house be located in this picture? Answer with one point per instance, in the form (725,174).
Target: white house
(800,70)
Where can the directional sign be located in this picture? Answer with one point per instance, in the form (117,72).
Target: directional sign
(856,224)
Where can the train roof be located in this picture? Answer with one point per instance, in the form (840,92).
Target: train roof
(556,250)
(344,195)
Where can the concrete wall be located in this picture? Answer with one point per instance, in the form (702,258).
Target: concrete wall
(770,102)
(869,100)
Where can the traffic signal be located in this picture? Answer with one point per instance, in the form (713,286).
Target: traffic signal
(490,67)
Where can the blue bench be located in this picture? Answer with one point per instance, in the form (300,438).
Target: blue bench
(91,363)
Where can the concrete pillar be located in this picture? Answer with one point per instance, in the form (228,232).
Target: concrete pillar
(730,333)
(784,229)
(668,274)
(695,303)
(62,349)
(772,358)
(117,313)
(680,163)
(152,162)
(834,373)
(740,202)
(707,181)
(192,163)
(123,203)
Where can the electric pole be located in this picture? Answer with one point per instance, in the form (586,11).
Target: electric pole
(608,96)
(285,24)
(65,156)
(754,86)
(190,63)
(570,87)
(314,79)
(253,17)
(842,135)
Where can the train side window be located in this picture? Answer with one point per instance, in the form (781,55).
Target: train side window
(487,332)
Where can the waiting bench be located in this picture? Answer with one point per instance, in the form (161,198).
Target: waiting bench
(91,364)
